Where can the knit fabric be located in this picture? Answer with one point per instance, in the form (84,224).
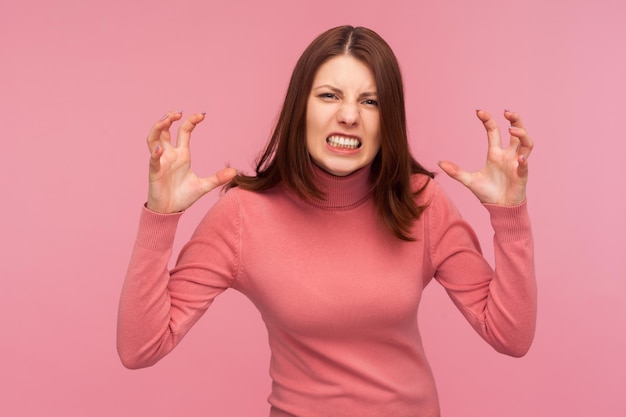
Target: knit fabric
(339,293)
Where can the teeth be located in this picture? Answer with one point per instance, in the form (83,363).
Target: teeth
(343,142)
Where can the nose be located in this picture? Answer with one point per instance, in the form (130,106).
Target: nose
(348,114)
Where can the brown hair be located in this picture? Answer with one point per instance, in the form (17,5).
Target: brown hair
(286,158)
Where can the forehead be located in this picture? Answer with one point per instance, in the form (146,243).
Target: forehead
(344,71)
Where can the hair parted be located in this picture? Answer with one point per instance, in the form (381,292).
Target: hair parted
(286,158)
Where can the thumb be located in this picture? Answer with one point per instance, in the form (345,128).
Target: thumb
(225,175)
(455,172)
(220,178)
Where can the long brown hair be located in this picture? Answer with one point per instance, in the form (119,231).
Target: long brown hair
(286,158)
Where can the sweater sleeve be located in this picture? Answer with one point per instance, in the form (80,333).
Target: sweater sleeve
(500,303)
(158,306)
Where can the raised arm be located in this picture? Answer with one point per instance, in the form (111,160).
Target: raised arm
(157,307)
(500,303)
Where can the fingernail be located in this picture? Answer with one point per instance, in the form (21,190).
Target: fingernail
(203,113)
(179,111)
(523,158)
(163,118)
(157,149)
(507,111)
(512,128)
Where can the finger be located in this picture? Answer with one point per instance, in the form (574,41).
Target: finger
(522,166)
(185,129)
(455,172)
(493,133)
(514,118)
(519,135)
(220,178)
(159,134)
(520,138)
(155,158)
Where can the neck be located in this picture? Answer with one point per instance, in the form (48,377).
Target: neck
(342,193)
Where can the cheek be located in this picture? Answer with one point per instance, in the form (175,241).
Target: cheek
(310,120)
(315,126)
(375,132)
(314,117)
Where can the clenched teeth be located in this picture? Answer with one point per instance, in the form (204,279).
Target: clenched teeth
(343,142)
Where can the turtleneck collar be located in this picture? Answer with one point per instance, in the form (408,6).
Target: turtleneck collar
(342,193)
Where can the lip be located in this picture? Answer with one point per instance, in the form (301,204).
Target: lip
(344,151)
(345,135)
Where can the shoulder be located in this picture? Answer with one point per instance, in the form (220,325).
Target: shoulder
(242,203)
(247,198)
(439,209)
(426,189)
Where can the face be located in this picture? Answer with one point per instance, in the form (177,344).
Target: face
(342,120)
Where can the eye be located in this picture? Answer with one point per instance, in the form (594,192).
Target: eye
(370,102)
(328,96)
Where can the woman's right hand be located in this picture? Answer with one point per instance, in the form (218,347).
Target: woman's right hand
(173,186)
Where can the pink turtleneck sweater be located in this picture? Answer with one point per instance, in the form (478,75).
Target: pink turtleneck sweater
(337,291)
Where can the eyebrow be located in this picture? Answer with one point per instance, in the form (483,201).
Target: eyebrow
(337,90)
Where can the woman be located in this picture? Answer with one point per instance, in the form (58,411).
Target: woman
(333,240)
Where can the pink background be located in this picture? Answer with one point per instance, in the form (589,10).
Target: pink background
(81,84)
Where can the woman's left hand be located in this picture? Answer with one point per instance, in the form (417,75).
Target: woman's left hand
(503,179)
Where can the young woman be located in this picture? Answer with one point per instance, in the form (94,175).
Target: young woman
(333,240)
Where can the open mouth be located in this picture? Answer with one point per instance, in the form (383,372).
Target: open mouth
(343,142)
